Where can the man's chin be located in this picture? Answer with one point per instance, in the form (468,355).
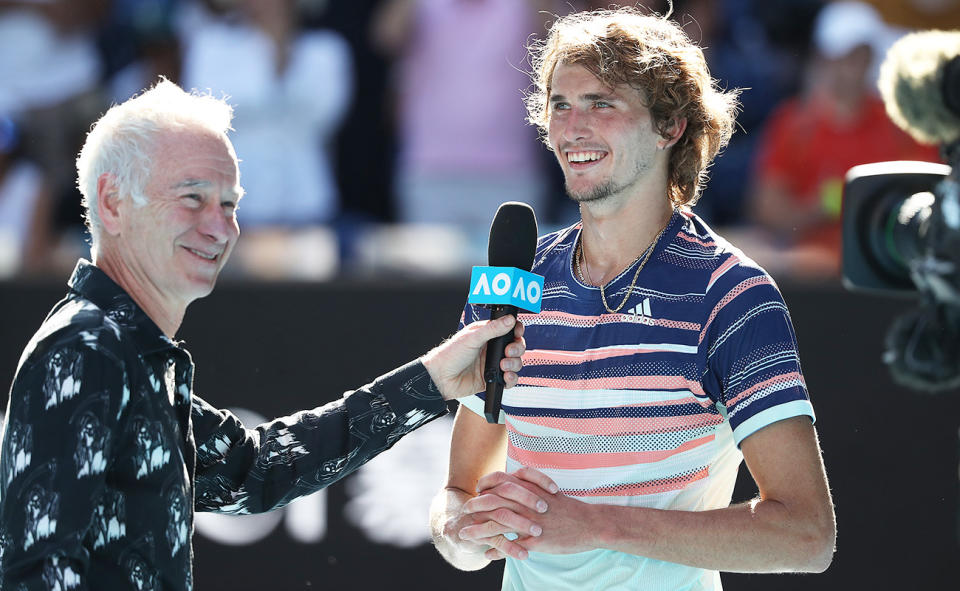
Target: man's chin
(589,194)
(201,287)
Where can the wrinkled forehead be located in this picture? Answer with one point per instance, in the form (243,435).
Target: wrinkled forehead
(188,142)
(195,156)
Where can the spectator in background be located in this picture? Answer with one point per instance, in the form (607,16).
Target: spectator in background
(49,83)
(363,168)
(25,226)
(742,47)
(291,88)
(812,140)
(138,43)
(463,145)
(48,52)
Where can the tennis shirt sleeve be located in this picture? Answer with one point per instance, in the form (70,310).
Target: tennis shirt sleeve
(749,353)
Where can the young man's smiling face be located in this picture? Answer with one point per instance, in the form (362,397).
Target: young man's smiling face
(603,137)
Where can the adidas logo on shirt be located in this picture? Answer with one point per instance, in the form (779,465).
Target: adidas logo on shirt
(641,309)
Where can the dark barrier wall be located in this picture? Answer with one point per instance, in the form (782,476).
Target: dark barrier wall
(891,454)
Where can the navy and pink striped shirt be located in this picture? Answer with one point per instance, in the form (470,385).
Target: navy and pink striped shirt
(647,407)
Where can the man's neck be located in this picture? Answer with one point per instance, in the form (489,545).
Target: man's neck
(165,314)
(618,230)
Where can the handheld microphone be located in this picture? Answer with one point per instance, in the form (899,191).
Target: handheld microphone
(506,285)
(920,85)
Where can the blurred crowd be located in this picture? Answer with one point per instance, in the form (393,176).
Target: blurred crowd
(379,136)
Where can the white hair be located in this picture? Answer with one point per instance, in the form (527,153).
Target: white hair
(121,142)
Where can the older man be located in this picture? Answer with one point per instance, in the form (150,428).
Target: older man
(107,452)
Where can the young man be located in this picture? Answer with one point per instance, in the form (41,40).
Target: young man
(661,358)
(106,451)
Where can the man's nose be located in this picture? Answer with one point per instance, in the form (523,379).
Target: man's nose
(577,126)
(217,224)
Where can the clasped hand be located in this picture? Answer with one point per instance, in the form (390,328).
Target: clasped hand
(515,513)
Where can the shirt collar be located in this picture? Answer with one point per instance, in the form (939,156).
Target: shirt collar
(93,284)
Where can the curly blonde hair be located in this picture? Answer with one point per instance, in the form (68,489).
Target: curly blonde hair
(654,56)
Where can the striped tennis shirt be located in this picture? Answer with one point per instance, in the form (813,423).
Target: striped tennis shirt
(646,407)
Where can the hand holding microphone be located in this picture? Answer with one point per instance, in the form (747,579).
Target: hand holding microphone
(458,366)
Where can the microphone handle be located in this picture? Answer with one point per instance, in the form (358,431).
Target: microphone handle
(492,374)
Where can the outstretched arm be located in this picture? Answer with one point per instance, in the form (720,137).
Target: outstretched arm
(241,470)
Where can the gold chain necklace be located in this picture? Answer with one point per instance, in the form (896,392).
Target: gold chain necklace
(603,296)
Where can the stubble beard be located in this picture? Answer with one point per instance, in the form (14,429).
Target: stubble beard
(608,188)
(595,193)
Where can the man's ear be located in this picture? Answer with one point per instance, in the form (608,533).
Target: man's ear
(677,126)
(108,203)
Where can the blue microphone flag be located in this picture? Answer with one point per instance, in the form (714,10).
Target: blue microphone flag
(506,286)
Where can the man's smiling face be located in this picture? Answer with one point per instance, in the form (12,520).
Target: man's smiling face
(603,137)
(181,238)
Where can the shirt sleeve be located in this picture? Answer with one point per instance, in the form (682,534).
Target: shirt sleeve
(752,367)
(241,470)
(56,446)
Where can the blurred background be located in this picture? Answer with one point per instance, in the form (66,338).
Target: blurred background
(376,139)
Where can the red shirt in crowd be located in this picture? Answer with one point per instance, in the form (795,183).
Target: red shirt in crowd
(808,151)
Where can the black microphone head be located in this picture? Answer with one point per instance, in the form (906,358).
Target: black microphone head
(513,236)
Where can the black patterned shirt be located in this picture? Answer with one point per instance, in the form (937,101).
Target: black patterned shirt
(107,452)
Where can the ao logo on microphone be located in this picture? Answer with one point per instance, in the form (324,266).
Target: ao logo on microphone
(506,286)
